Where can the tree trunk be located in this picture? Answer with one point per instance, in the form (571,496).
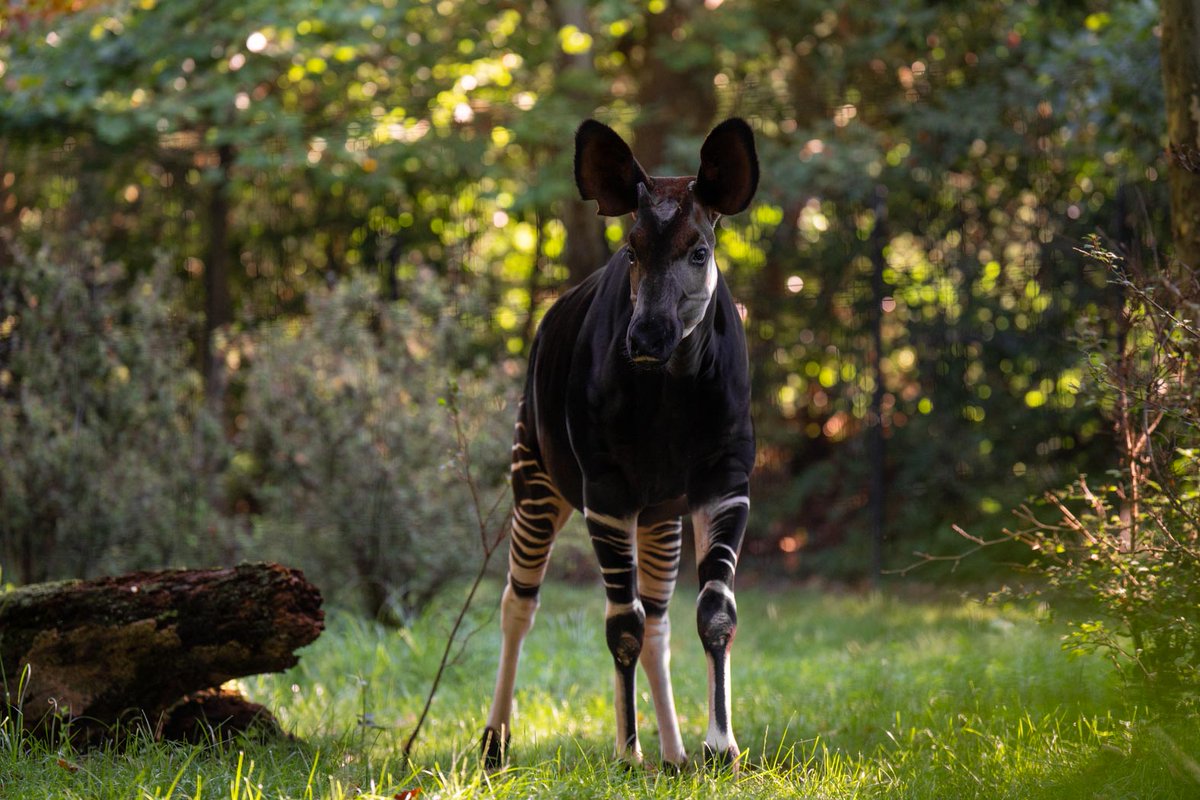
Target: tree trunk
(586,248)
(1181,82)
(111,652)
(674,102)
(876,443)
(218,301)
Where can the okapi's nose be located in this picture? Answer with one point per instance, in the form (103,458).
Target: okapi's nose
(652,339)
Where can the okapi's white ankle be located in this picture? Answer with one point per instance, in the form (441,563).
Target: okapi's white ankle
(628,748)
(719,738)
(656,661)
(720,742)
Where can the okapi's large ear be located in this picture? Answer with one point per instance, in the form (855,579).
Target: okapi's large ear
(605,169)
(728,175)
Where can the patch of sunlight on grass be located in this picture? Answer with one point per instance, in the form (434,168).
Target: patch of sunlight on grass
(835,695)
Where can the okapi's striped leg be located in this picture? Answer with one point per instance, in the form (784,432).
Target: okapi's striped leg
(659,545)
(539,512)
(615,543)
(719,527)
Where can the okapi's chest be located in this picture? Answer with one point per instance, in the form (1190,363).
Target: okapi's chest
(652,429)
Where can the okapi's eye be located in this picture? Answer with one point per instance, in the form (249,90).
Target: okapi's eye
(632,256)
(700,256)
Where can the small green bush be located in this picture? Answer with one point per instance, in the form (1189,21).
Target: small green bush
(347,452)
(335,456)
(1125,547)
(107,445)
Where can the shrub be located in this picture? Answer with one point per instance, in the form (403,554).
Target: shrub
(346,452)
(1133,546)
(106,442)
(1126,547)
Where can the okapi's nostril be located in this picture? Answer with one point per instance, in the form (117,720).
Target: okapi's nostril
(649,342)
(652,338)
(639,345)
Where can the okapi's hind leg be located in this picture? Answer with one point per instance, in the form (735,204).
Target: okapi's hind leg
(539,513)
(659,546)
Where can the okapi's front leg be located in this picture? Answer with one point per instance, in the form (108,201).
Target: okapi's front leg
(659,546)
(719,526)
(614,540)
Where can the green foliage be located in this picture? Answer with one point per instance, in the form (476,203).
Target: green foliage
(994,163)
(400,139)
(1127,546)
(107,446)
(347,448)
(342,459)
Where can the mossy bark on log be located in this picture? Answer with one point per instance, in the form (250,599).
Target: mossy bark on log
(114,651)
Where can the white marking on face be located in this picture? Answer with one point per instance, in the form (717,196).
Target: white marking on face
(710,286)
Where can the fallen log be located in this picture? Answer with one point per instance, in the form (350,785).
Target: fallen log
(101,656)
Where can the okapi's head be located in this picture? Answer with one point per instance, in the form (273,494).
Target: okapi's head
(672,272)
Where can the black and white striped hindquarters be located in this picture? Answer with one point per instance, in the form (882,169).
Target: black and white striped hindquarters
(539,512)
(659,548)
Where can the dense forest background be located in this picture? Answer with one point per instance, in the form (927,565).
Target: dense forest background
(246,247)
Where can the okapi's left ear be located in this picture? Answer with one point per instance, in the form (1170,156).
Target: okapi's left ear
(728,175)
(605,169)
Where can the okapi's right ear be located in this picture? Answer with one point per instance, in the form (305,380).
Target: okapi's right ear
(728,175)
(605,169)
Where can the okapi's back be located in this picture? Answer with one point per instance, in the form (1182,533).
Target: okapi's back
(545,411)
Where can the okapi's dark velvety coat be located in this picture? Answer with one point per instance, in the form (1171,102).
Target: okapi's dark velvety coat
(637,410)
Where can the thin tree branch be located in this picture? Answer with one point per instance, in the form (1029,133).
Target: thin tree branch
(490,545)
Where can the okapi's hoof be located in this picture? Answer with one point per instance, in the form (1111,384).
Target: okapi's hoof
(494,748)
(729,758)
(674,768)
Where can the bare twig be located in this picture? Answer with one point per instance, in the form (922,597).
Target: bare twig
(954,559)
(490,545)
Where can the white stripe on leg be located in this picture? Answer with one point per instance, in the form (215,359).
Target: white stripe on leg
(656,661)
(516,618)
(719,740)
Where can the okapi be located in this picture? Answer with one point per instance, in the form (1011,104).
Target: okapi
(636,409)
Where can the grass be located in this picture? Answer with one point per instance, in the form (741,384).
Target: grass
(836,695)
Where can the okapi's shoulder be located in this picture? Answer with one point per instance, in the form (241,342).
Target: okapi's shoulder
(727,361)
(602,325)
(559,332)
(568,312)
(722,402)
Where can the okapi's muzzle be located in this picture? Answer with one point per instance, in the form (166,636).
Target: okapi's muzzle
(652,338)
